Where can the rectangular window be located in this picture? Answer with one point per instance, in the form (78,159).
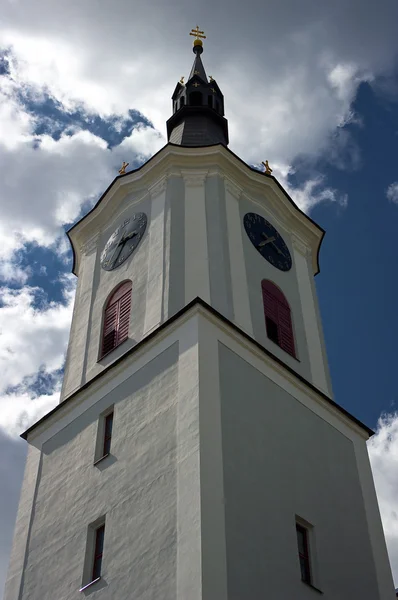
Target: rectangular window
(104,435)
(98,551)
(108,423)
(92,569)
(303,552)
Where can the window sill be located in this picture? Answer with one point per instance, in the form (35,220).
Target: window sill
(312,586)
(100,460)
(89,584)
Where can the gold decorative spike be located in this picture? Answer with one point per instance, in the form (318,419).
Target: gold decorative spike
(267,168)
(213,90)
(122,171)
(182,80)
(196,84)
(197,33)
(211,78)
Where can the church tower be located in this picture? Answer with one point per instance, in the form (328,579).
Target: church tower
(197,452)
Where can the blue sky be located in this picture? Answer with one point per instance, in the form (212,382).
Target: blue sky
(313,91)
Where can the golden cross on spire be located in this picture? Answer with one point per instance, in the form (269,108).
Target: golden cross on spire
(267,169)
(197,33)
(122,171)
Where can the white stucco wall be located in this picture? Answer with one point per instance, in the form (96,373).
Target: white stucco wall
(194,245)
(215,449)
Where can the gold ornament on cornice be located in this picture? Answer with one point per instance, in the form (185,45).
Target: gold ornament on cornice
(196,72)
(211,78)
(122,171)
(267,168)
(213,90)
(182,80)
(196,84)
(198,35)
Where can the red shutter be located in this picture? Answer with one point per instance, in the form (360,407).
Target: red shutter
(124,317)
(285,329)
(277,308)
(110,328)
(117,318)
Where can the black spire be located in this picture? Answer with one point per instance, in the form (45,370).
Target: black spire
(198,107)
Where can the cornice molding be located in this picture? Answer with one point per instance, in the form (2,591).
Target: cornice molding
(158,187)
(194,178)
(91,245)
(233,188)
(299,245)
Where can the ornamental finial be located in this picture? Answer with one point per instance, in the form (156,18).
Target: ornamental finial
(267,168)
(198,36)
(182,80)
(122,171)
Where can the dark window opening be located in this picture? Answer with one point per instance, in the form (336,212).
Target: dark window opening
(217,106)
(195,99)
(108,424)
(272,330)
(182,101)
(210,101)
(98,551)
(303,551)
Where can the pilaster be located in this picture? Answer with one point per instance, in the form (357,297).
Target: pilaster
(240,293)
(197,279)
(156,257)
(313,334)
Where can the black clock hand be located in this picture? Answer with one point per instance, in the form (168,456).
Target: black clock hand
(121,244)
(130,235)
(277,249)
(269,240)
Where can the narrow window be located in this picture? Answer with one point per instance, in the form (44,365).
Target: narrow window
(210,101)
(303,552)
(104,435)
(92,569)
(98,551)
(182,101)
(277,314)
(195,99)
(116,318)
(108,424)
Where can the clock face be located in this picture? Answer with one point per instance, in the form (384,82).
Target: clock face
(123,241)
(267,241)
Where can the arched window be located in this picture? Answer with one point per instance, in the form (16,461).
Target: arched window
(278,320)
(195,99)
(116,318)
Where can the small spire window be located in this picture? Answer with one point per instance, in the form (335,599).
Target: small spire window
(277,314)
(210,101)
(182,101)
(116,318)
(195,99)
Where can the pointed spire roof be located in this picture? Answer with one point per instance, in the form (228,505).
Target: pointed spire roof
(198,106)
(198,69)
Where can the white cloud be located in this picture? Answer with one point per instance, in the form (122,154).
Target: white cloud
(312,192)
(383,453)
(392,192)
(32,338)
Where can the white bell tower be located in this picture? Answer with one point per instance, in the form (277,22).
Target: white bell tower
(197,452)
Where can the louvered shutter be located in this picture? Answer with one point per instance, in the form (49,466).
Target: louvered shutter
(110,328)
(124,317)
(117,318)
(285,330)
(277,308)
